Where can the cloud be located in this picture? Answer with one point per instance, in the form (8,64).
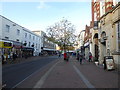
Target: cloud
(42,5)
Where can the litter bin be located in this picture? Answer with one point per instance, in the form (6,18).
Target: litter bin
(109,63)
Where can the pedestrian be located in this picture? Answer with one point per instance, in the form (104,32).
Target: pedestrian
(90,56)
(59,54)
(2,59)
(65,56)
(26,55)
(14,56)
(68,56)
(80,57)
(104,62)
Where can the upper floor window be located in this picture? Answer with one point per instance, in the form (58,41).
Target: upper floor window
(30,36)
(17,39)
(18,32)
(36,45)
(29,44)
(33,37)
(6,37)
(7,28)
(25,35)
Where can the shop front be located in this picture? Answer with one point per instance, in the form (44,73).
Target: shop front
(48,51)
(17,46)
(27,51)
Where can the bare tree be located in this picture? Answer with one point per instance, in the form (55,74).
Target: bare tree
(62,33)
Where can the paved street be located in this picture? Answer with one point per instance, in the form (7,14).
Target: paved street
(15,73)
(61,74)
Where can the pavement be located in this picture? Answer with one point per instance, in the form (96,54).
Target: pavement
(72,74)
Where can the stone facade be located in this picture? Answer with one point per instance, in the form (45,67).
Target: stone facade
(108,35)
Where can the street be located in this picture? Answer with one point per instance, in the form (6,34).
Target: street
(59,74)
(13,74)
(76,46)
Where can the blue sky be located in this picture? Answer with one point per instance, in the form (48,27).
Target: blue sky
(40,15)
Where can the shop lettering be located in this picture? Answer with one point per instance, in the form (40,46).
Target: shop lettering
(7,44)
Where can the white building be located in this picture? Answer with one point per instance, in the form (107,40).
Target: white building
(21,39)
(47,47)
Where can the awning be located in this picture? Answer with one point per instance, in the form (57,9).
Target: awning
(27,49)
(47,49)
(17,45)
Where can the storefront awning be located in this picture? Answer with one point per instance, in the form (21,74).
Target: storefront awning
(27,49)
(17,45)
(47,49)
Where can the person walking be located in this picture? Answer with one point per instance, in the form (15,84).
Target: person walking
(90,56)
(68,56)
(59,54)
(80,57)
(14,56)
(65,56)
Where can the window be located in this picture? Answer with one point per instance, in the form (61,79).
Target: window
(25,35)
(36,45)
(7,28)
(30,36)
(6,37)
(29,44)
(18,32)
(17,39)
(33,37)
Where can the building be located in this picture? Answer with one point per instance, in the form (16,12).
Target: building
(109,30)
(17,39)
(87,41)
(98,8)
(94,47)
(47,47)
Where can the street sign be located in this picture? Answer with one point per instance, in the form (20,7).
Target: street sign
(110,63)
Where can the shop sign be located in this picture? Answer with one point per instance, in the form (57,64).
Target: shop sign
(17,45)
(110,63)
(5,44)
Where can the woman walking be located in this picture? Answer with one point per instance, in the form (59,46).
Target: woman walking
(80,57)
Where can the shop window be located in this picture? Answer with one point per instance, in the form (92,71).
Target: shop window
(7,28)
